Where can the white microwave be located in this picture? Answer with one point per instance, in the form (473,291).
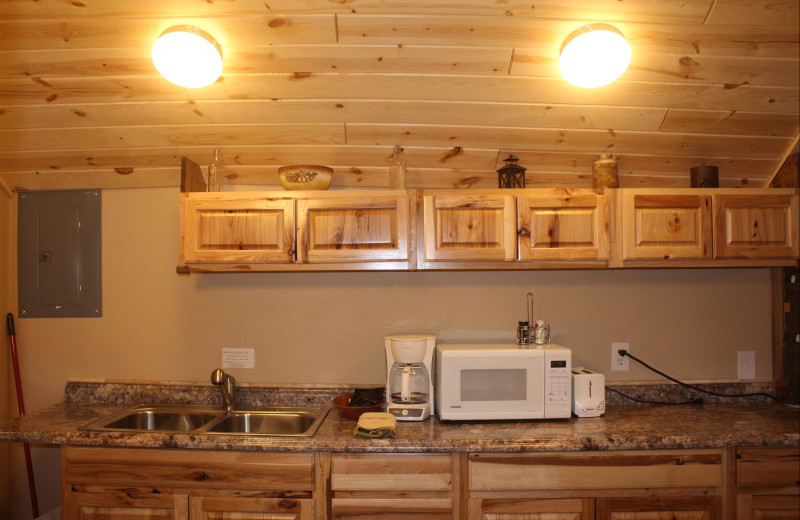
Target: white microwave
(502,381)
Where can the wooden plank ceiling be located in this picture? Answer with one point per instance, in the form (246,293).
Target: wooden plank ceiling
(340,82)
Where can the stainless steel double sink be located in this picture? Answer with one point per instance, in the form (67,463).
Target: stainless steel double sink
(196,419)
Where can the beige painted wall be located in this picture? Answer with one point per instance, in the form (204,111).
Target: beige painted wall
(5,372)
(329,327)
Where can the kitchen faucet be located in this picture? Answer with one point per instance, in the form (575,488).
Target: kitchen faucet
(227,385)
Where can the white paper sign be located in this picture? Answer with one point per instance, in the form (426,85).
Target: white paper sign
(238,358)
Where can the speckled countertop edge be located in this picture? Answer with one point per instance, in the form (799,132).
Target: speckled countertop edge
(745,424)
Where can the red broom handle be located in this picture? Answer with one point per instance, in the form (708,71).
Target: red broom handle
(21,404)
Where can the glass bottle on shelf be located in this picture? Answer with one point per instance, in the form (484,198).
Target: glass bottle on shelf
(397,170)
(216,172)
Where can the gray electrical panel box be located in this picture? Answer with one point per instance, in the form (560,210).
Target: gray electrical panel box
(59,254)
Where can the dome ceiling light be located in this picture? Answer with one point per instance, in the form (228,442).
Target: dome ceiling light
(594,55)
(188,56)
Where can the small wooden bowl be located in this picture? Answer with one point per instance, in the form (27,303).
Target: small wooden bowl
(305,177)
(352,412)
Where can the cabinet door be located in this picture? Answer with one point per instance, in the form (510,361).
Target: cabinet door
(409,508)
(459,226)
(562,225)
(532,509)
(657,508)
(353,227)
(756,226)
(659,226)
(767,507)
(245,508)
(237,228)
(128,503)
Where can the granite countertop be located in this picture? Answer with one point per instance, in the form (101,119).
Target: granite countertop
(623,427)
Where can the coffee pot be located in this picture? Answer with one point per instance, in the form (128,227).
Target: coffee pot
(409,388)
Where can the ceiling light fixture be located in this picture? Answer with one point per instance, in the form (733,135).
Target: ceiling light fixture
(188,56)
(594,55)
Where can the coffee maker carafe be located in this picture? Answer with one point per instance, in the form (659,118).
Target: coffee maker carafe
(409,387)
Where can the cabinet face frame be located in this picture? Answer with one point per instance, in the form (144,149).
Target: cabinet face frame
(467,227)
(756,226)
(562,225)
(237,228)
(353,227)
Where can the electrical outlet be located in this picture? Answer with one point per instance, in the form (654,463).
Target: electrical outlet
(747,364)
(619,362)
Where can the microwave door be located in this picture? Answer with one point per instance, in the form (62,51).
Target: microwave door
(497,387)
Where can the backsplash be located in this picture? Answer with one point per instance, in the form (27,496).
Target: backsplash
(165,392)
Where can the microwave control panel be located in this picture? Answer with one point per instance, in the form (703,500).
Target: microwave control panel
(558,385)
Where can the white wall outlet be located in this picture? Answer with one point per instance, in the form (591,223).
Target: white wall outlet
(619,362)
(238,358)
(747,364)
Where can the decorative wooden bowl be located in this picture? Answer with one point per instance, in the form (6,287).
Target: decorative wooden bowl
(352,412)
(305,177)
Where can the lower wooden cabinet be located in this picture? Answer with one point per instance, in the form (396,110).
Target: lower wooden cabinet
(392,487)
(642,485)
(767,483)
(702,484)
(145,484)
(533,509)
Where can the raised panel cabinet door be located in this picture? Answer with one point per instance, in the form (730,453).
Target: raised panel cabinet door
(124,504)
(756,225)
(247,508)
(562,225)
(353,227)
(659,508)
(237,228)
(767,507)
(665,226)
(459,226)
(391,509)
(532,509)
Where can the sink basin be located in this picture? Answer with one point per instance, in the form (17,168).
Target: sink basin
(272,421)
(157,418)
(267,423)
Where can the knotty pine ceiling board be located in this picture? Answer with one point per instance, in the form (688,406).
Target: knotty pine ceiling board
(459,84)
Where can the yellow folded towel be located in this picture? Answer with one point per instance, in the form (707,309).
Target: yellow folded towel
(375,425)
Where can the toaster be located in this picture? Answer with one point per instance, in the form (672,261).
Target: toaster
(588,393)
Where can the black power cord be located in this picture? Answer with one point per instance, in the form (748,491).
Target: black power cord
(623,352)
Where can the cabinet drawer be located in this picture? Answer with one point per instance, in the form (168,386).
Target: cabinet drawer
(596,470)
(768,467)
(428,472)
(391,508)
(189,468)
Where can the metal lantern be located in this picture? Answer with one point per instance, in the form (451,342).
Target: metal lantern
(512,175)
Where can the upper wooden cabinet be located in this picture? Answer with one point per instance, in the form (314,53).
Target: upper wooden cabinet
(664,226)
(237,228)
(706,227)
(352,227)
(562,225)
(466,226)
(762,225)
(274,231)
(353,230)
